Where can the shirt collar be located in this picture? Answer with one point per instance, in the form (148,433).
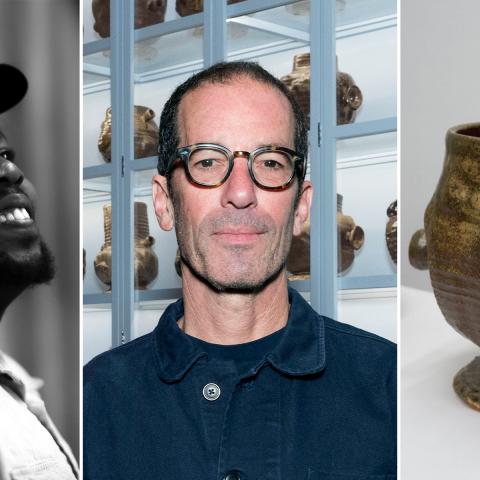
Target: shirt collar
(13,376)
(300,351)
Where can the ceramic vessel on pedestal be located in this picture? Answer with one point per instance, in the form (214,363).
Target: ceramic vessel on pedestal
(190,7)
(450,246)
(350,238)
(349,96)
(146,134)
(146,261)
(147,12)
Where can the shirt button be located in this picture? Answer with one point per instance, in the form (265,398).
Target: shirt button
(232,476)
(211,391)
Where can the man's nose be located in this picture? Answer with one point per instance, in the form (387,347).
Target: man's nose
(239,189)
(10,174)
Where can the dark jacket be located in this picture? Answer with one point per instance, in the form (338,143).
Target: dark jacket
(320,405)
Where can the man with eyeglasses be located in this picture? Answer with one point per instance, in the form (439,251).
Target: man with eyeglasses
(241,379)
(30,445)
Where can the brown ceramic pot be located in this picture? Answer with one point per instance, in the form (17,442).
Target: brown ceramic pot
(350,238)
(190,7)
(452,235)
(349,96)
(391,231)
(146,134)
(147,12)
(146,261)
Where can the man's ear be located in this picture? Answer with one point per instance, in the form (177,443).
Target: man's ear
(162,203)
(302,212)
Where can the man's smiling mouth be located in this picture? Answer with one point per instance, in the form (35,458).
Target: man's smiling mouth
(15,216)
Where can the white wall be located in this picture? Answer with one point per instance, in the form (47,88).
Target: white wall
(440,68)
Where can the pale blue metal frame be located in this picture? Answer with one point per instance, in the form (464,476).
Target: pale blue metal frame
(324,134)
(323,163)
(121,26)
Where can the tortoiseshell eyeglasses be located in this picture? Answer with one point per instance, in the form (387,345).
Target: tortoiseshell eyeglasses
(270,167)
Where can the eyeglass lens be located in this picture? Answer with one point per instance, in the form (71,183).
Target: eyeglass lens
(270,169)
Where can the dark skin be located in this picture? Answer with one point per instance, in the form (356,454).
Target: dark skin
(24,258)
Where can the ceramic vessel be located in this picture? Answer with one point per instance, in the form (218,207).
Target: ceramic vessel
(452,237)
(349,96)
(146,134)
(147,12)
(350,238)
(391,231)
(146,261)
(190,7)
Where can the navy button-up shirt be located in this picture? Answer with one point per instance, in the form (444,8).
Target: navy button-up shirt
(320,405)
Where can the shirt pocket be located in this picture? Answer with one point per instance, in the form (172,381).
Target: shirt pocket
(314,474)
(47,469)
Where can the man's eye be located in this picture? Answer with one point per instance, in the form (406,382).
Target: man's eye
(272,164)
(8,155)
(207,162)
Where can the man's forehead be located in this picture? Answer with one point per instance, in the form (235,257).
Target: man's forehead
(234,98)
(239,87)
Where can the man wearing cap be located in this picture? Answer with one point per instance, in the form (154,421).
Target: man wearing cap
(30,445)
(241,379)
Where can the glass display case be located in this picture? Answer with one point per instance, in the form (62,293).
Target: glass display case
(134,70)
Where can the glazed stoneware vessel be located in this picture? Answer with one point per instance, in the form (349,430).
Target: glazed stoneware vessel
(190,7)
(146,134)
(350,238)
(349,96)
(451,242)
(391,231)
(146,261)
(147,12)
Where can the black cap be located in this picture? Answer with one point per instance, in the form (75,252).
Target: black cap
(13,85)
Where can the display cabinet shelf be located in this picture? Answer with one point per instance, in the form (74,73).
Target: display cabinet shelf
(370,281)
(96,46)
(362,129)
(158,300)
(99,300)
(147,163)
(160,294)
(273,30)
(95,171)
(359,284)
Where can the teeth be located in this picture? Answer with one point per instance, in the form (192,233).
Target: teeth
(16,215)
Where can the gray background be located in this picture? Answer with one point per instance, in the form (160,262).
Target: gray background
(41,328)
(440,72)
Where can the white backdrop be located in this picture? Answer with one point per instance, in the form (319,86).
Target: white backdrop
(440,68)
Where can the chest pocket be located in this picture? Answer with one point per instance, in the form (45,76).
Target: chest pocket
(318,475)
(48,469)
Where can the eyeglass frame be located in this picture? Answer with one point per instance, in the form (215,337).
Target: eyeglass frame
(297,159)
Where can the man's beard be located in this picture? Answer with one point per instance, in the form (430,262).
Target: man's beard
(199,263)
(234,286)
(28,270)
